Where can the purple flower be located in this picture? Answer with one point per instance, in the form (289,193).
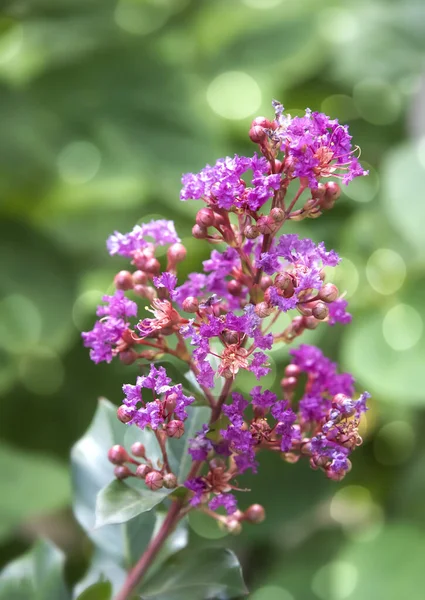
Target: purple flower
(256,367)
(338,313)
(285,427)
(200,446)
(234,412)
(165,280)
(162,232)
(199,487)
(228,501)
(263,399)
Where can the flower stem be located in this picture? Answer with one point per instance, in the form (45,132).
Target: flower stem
(139,570)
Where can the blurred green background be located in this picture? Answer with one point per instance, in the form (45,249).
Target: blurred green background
(103,106)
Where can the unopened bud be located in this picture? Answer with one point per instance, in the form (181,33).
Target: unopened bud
(142,471)
(139,277)
(283,281)
(198,232)
(292,370)
(304,310)
(319,192)
(230,337)
(154,480)
(176,253)
(205,217)
(251,232)
(122,472)
(190,304)
(175,429)
(320,311)
(262,310)
(289,383)
(144,291)
(332,193)
(123,280)
(328,292)
(234,287)
(257,134)
(117,455)
(277,214)
(262,122)
(297,325)
(170,481)
(170,403)
(152,266)
(266,225)
(138,449)
(124,413)
(128,357)
(255,514)
(265,282)
(310,322)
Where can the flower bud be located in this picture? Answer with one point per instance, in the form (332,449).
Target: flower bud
(142,471)
(319,192)
(138,449)
(175,429)
(297,325)
(305,310)
(128,357)
(261,122)
(175,254)
(292,370)
(333,190)
(219,220)
(230,337)
(152,266)
(123,280)
(144,291)
(170,481)
(190,304)
(154,480)
(124,413)
(255,514)
(170,403)
(205,217)
(198,232)
(283,281)
(234,287)
(265,282)
(139,277)
(117,455)
(122,472)
(310,322)
(257,134)
(262,310)
(328,292)
(277,215)
(320,311)
(266,225)
(289,383)
(251,232)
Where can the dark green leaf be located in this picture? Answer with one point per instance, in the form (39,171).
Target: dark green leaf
(208,574)
(35,576)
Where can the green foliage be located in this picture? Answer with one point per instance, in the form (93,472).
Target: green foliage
(98,591)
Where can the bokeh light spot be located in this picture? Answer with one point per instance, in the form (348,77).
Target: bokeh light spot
(84,306)
(335,581)
(394,443)
(205,526)
(140,18)
(20,323)
(402,327)
(385,271)
(234,95)
(340,106)
(78,162)
(11,42)
(41,371)
(363,189)
(262,4)
(377,101)
(338,25)
(421,151)
(271,592)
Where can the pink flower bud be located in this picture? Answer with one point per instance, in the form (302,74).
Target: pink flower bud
(205,217)
(230,337)
(175,429)
(154,480)
(320,311)
(328,293)
(123,280)
(190,304)
(251,232)
(257,134)
(152,266)
(117,455)
(128,357)
(139,277)
(265,282)
(175,254)
(277,214)
(292,371)
(142,471)
(124,414)
(262,122)
(319,192)
(233,526)
(262,309)
(122,472)
(234,287)
(138,449)
(255,514)
(170,403)
(170,481)
(310,322)
(266,225)
(289,383)
(198,232)
(283,281)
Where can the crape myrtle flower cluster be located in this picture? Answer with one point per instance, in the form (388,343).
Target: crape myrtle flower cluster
(218,322)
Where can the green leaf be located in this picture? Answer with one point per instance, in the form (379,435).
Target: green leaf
(180,459)
(32,484)
(188,575)
(99,591)
(118,502)
(35,576)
